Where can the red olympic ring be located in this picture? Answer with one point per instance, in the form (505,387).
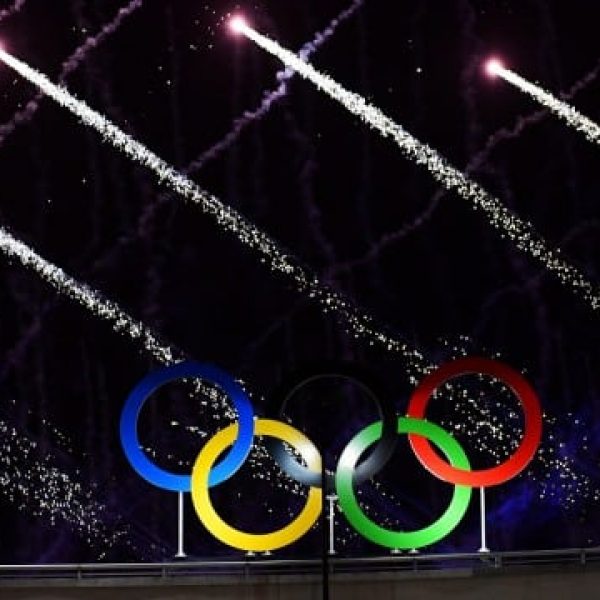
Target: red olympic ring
(485,477)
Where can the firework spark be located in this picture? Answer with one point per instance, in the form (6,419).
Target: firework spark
(33,483)
(237,24)
(493,66)
(565,111)
(520,232)
(279,261)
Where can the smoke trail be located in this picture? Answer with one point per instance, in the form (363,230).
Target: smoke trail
(71,64)
(564,111)
(359,322)
(520,232)
(16,6)
(87,297)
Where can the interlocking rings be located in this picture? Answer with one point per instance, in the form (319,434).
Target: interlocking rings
(349,471)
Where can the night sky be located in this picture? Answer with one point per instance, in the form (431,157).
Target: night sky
(347,204)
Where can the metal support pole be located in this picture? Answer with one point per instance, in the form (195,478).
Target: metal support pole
(180,551)
(324,536)
(332,498)
(483,547)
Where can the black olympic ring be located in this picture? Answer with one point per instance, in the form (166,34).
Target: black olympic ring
(373,463)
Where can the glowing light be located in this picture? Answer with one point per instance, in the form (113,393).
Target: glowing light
(494,67)
(510,226)
(564,111)
(238,24)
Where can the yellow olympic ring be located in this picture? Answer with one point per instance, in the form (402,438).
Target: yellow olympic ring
(249,541)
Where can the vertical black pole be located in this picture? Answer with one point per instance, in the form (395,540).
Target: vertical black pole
(325,531)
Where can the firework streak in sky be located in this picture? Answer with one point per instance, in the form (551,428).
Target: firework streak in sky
(71,64)
(563,110)
(520,232)
(359,323)
(86,296)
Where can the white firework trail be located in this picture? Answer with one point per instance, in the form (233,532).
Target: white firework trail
(69,66)
(87,297)
(106,310)
(565,111)
(358,322)
(520,232)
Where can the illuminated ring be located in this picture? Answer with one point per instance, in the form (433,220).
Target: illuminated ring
(129,418)
(249,541)
(532,431)
(374,462)
(402,540)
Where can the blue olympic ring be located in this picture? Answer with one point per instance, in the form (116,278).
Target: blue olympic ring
(186,370)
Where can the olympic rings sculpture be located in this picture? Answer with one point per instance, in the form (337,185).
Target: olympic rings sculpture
(239,438)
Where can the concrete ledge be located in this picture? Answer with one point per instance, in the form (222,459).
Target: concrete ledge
(489,581)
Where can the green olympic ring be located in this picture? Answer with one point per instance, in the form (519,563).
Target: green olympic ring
(401,540)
